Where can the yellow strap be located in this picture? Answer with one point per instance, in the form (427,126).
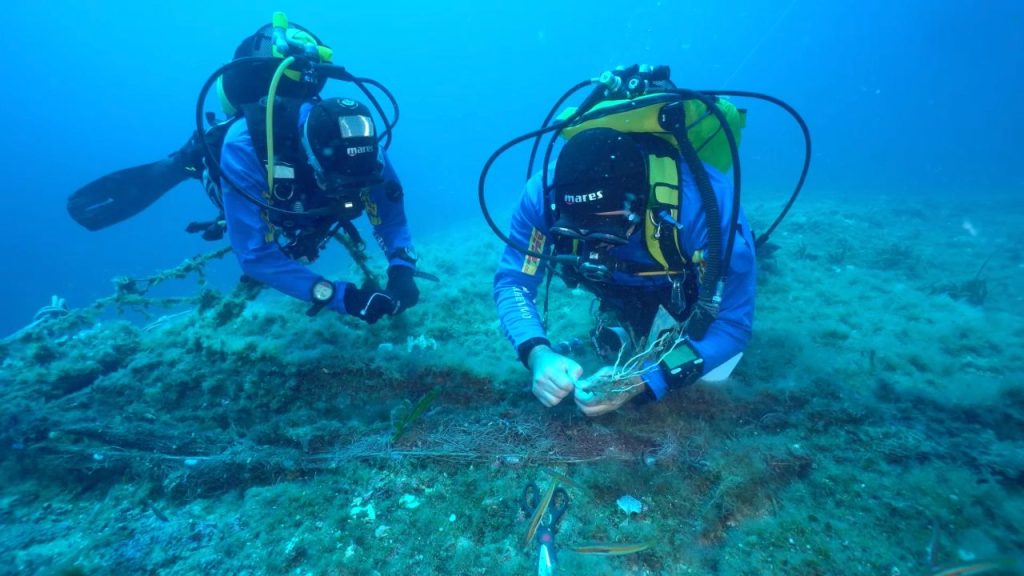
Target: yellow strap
(663,178)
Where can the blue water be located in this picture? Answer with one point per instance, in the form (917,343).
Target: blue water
(916,100)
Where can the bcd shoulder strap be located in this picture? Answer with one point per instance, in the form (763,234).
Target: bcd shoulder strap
(664,195)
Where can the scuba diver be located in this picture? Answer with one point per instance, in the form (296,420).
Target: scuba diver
(638,209)
(287,178)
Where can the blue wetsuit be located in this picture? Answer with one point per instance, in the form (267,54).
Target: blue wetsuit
(255,239)
(518,277)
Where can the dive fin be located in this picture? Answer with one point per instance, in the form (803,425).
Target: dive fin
(123,194)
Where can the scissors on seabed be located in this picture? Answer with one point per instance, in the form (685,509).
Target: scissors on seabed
(546,511)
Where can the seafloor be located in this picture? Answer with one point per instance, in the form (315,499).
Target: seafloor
(874,426)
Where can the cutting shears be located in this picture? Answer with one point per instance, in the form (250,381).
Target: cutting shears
(546,511)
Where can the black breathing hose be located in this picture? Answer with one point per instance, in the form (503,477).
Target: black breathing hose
(763,238)
(547,120)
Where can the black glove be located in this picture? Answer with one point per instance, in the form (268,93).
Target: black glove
(403,286)
(369,304)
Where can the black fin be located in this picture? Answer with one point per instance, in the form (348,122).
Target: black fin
(123,194)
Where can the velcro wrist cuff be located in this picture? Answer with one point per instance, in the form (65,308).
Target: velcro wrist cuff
(527,346)
(654,377)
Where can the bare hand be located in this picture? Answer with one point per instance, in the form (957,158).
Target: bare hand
(602,393)
(554,375)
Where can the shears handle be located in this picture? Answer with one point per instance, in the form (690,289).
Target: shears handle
(546,560)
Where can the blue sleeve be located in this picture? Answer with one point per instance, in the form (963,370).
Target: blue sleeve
(729,334)
(251,235)
(519,276)
(386,210)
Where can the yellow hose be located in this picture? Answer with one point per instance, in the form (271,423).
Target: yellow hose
(270,121)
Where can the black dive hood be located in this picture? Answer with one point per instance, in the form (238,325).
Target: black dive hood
(312,72)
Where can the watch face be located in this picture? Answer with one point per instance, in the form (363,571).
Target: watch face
(323,291)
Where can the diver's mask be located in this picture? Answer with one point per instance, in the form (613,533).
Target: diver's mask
(613,229)
(592,243)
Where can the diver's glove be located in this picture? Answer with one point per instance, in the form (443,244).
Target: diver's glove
(369,304)
(402,284)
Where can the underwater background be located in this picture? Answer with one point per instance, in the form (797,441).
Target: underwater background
(918,100)
(876,425)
